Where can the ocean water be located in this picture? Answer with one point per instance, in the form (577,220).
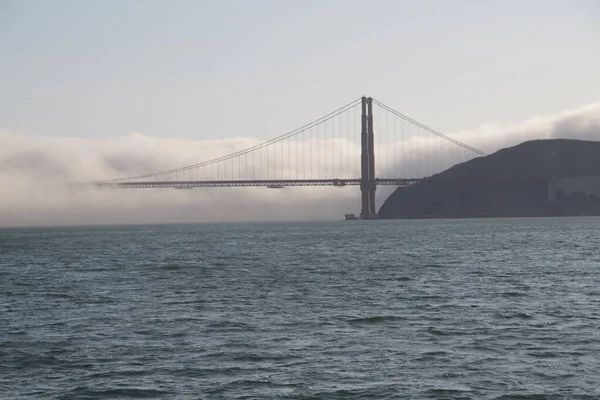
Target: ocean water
(454,309)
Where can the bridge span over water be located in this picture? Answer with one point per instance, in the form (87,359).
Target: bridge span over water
(338,149)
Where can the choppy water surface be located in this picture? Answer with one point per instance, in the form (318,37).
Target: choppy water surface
(478,309)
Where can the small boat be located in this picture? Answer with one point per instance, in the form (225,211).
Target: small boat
(274,187)
(350,217)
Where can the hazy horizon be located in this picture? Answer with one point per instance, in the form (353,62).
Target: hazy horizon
(94,89)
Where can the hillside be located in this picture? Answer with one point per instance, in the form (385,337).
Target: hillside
(513,182)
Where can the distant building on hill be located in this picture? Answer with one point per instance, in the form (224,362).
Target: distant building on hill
(560,187)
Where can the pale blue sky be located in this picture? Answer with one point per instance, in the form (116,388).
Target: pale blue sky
(214,69)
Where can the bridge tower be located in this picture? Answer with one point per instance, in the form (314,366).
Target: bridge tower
(367,161)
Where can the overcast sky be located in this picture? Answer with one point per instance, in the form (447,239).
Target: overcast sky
(87,85)
(217,69)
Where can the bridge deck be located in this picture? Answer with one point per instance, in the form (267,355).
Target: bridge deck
(269,183)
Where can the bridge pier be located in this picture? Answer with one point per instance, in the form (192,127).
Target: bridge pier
(371,141)
(364,162)
(367,161)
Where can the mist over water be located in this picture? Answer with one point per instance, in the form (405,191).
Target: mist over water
(35,173)
(471,309)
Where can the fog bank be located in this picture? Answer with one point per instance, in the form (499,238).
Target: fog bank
(35,172)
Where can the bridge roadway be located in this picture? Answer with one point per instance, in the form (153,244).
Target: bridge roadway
(268,183)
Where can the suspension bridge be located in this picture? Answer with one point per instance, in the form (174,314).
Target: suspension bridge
(337,149)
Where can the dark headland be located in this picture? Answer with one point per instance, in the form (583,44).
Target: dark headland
(538,178)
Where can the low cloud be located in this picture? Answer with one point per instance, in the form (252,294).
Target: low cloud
(581,123)
(35,173)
